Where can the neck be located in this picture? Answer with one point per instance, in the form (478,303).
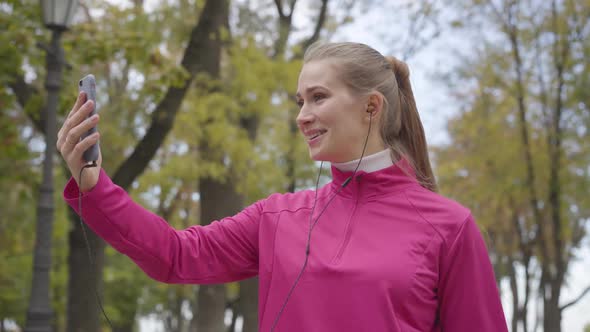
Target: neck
(371,163)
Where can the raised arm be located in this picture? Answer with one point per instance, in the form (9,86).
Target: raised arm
(225,250)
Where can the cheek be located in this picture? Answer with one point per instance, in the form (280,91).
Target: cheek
(348,132)
(342,117)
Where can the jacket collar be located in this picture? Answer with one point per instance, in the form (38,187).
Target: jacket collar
(371,163)
(364,184)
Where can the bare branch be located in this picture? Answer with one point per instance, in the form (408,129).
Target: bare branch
(279,5)
(280,8)
(346,7)
(318,26)
(292,7)
(24,92)
(285,27)
(504,22)
(195,61)
(574,301)
(86,11)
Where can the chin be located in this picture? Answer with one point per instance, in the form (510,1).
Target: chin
(314,157)
(318,155)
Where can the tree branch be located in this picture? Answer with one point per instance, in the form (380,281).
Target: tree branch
(86,11)
(201,56)
(292,7)
(23,92)
(417,39)
(280,8)
(285,26)
(318,26)
(574,301)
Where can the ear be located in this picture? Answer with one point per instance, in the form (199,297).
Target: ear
(375,104)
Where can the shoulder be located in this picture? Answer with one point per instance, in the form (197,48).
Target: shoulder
(292,202)
(446,216)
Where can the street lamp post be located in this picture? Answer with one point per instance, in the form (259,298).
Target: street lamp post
(57,15)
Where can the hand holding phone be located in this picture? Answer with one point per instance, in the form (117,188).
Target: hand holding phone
(77,139)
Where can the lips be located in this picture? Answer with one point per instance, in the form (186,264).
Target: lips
(311,135)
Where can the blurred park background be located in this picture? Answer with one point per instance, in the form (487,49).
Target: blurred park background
(197,121)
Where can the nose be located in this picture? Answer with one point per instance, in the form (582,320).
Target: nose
(304,117)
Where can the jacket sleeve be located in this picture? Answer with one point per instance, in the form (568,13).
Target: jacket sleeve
(469,297)
(223,251)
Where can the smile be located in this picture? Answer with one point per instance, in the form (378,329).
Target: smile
(312,136)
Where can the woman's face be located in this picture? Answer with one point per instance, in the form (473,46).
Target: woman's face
(333,120)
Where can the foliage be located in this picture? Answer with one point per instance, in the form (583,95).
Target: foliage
(521,117)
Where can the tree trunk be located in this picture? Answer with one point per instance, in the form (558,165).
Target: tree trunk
(551,311)
(514,290)
(248,304)
(291,160)
(218,200)
(210,311)
(557,267)
(527,291)
(525,246)
(173,321)
(123,328)
(83,313)
(232,305)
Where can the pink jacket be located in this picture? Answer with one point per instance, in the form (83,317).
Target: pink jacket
(386,255)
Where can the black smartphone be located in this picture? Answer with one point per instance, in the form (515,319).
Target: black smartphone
(88,85)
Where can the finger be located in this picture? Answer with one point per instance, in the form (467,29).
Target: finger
(80,115)
(73,136)
(73,121)
(84,145)
(79,102)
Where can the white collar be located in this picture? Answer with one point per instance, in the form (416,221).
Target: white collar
(372,163)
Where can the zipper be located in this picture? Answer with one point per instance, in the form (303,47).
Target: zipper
(347,234)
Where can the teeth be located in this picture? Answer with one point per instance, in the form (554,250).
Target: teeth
(317,135)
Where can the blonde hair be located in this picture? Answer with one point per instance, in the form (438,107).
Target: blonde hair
(365,70)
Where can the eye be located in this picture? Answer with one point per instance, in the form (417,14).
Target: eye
(318,96)
(299,102)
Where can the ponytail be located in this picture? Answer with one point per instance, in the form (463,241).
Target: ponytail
(409,140)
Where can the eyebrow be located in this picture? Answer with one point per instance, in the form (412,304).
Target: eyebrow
(309,90)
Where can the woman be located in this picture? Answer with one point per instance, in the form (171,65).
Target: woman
(377,249)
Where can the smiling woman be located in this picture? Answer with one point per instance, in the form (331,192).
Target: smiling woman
(331,117)
(376,249)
